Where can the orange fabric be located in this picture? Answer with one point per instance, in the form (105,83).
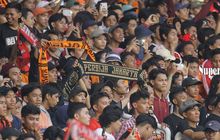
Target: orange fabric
(94,124)
(24,77)
(95,79)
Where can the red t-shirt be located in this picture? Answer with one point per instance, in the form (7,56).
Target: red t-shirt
(161,108)
(94,124)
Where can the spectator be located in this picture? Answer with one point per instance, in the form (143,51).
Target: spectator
(212,130)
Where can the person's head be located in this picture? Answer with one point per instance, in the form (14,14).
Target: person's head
(131,21)
(190,110)
(99,40)
(182,11)
(27,136)
(113,59)
(110,118)
(213,42)
(191,86)
(216,58)
(88,27)
(9,96)
(99,101)
(58,22)
(9,133)
(116,33)
(212,130)
(31,93)
(13,13)
(27,17)
(213,104)
(86,79)
(117,9)
(149,65)
(177,95)
(29,4)
(74,6)
(78,95)
(146,125)
(78,111)
(158,79)
(148,16)
(13,72)
(52,73)
(168,34)
(50,94)
(42,17)
(193,64)
(53,133)
(139,102)
(111,20)
(215,85)
(188,27)
(143,35)
(204,34)
(18,107)
(3,106)
(120,86)
(128,59)
(30,117)
(177,79)
(186,48)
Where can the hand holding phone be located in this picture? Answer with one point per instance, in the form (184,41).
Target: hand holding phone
(104,8)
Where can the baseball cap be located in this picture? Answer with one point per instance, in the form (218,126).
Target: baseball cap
(188,104)
(97,33)
(181,5)
(75,91)
(141,31)
(128,8)
(112,57)
(212,126)
(165,53)
(6,68)
(88,23)
(174,91)
(189,81)
(196,4)
(42,4)
(40,10)
(9,131)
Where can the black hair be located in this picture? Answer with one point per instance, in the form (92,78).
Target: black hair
(73,108)
(153,3)
(26,135)
(98,55)
(213,39)
(144,119)
(204,33)
(114,7)
(24,12)
(212,100)
(165,30)
(110,114)
(215,52)
(181,46)
(190,59)
(137,96)
(174,91)
(214,85)
(175,76)
(82,16)
(186,25)
(96,96)
(125,54)
(30,109)
(146,12)
(155,72)
(56,17)
(27,89)
(127,18)
(150,62)
(49,89)
(111,13)
(13,5)
(52,133)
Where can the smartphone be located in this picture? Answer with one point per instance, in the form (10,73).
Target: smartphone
(67,12)
(104,7)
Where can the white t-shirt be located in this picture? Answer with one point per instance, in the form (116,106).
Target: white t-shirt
(107,135)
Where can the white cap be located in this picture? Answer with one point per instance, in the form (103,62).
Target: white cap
(42,4)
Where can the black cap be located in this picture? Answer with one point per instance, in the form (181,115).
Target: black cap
(9,131)
(212,126)
(51,66)
(189,81)
(76,90)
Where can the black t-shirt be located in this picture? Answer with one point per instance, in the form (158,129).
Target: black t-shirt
(176,124)
(8,39)
(212,117)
